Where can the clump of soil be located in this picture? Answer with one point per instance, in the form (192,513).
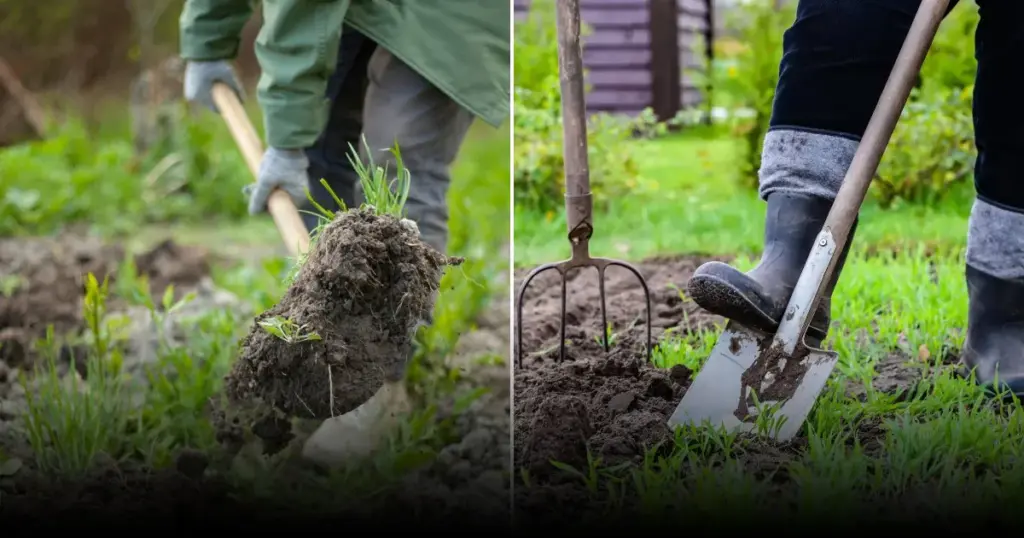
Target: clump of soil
(368,283)
(615,406)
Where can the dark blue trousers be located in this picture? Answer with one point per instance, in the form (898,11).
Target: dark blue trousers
(838,55)
(328,157)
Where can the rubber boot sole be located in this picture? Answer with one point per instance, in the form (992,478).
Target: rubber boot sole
(713,291)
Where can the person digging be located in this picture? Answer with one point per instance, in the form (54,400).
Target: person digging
(836,59)
(334,73)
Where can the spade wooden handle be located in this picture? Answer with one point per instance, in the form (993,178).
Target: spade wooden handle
(279,204)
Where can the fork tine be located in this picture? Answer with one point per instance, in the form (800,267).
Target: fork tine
(604,308)
(561,338)
(647,295)
(519,307)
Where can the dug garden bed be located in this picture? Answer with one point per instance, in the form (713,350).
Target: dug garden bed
(582,426)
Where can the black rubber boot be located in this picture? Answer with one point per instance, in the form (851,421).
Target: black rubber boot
(759,297)
(995,331)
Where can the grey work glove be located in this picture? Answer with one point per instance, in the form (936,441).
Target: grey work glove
(284,169)
(200,78)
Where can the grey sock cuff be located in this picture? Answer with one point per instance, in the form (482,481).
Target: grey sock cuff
(995,241)
(804,163)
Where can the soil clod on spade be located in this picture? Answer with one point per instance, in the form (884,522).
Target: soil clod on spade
(348,319)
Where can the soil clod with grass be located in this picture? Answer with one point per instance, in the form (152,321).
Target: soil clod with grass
(346,323)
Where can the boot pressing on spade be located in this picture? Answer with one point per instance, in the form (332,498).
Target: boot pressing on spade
(758,298)
(779,312)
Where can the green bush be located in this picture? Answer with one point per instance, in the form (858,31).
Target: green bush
(932,148)
(746,85)
(951,62)
(538,169)
(73,178)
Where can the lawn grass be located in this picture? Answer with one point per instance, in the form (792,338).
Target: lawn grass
(71,432)
(687,202)
(902,292)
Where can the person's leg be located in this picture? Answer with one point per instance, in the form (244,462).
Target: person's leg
(429,127)
(837,57)
(328,157)
(995,240)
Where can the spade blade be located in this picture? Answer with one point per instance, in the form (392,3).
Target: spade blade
(743,359)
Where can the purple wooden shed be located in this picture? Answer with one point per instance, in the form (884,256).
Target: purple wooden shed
(637,53)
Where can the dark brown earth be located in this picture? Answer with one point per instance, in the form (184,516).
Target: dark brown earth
(368,283)
(467,475)
(616,405)
(42,283)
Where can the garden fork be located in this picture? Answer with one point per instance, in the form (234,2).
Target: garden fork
(579,203)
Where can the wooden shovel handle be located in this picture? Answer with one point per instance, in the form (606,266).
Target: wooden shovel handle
(279,204)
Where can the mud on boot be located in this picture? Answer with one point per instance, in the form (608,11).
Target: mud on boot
(759,297)
(995,331)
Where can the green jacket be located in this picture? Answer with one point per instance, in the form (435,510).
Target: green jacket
(461,46)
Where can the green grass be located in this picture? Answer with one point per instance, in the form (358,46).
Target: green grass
(76,177)
(902,292)
(687,203)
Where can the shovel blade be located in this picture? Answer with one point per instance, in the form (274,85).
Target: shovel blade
(719,397)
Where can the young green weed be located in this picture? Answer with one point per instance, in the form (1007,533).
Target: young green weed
(69,424)
(287,330)
(9,284)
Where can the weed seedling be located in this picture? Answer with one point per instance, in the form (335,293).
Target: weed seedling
(68,423)
(9,284)
(287,330)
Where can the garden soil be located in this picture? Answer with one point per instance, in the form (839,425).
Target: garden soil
(614,405)
(42,283)
(468,479)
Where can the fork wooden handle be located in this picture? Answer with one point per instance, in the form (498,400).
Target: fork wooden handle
(279,204)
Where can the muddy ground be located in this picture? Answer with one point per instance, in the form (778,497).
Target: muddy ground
(42,284)
(616,405)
